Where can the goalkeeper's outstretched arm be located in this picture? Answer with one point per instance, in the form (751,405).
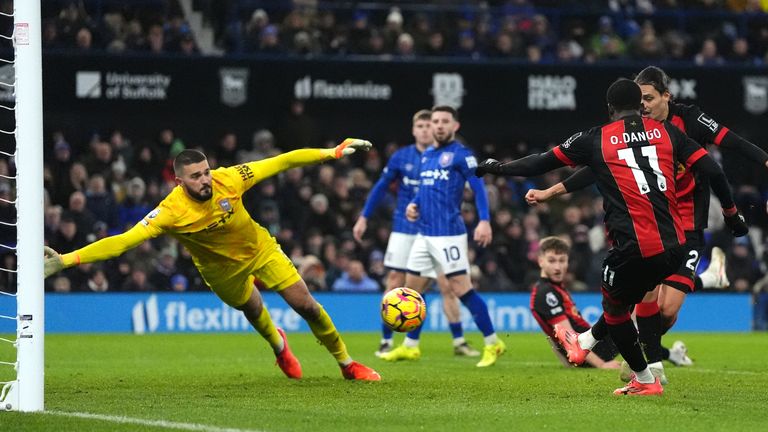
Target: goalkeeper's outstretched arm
(101,250)
(265,168)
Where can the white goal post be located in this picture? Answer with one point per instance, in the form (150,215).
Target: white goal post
(26,392)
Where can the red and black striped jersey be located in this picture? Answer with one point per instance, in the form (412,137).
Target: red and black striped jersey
(551,303)
(634,160)
(693,190)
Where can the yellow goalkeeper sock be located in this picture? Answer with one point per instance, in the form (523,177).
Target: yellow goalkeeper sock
(266,328)
(326,333)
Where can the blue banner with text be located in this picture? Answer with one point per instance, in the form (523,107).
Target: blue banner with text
(204,312)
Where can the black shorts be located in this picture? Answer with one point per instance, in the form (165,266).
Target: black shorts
(683,279)
(627,279)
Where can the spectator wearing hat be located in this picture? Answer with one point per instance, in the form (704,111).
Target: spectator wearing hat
(179,283)
(376,269)
(62,160)
(101,202)
(269,40)
(312,271)
(467,46)
(134,207)
(359,32)
(187,44)
(393,27)
(247,37)
(606,43)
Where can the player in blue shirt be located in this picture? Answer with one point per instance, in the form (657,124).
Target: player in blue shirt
(441,244)
(404,167)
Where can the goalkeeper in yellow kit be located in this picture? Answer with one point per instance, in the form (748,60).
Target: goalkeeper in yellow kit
(205,213)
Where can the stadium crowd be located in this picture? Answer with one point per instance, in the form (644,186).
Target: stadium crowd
(706,32)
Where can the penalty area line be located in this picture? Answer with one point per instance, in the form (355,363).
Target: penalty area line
(144,422)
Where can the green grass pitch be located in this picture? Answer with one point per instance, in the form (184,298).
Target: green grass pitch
(229,381)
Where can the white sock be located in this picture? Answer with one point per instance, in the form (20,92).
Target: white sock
(411,343)
(386,341)
(491,339)
(656,365)
(708,280)
(345,362)
(645,376)
(459,341)
(586,340)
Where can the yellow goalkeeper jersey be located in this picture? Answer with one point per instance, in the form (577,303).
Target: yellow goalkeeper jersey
(219,232)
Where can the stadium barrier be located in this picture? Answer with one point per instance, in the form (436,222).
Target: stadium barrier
(204,312)
(498,101)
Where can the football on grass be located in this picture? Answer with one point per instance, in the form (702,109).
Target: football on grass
(403,309)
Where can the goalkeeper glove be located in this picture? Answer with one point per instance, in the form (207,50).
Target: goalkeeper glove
(735,222)
(53,262)
(488,166)
(350,146)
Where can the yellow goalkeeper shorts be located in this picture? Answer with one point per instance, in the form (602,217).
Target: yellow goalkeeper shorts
(271,270)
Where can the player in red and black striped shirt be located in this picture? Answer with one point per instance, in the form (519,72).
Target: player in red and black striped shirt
(634,161)
(656,318)
(552,305)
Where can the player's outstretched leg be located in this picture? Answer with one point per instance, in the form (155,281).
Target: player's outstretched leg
(259,318)
(324,330)
(298,297)
(287,362)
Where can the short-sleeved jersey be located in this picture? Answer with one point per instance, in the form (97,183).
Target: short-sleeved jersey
(218,232)
(692,190)
(404,167)
(551,303)
(634,161)
(444,172)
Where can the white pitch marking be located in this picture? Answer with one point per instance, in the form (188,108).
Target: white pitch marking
(144,422)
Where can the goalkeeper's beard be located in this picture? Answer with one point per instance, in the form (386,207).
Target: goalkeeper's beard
(206,192)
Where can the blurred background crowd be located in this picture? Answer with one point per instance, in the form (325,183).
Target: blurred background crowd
(106,184)
(706,32)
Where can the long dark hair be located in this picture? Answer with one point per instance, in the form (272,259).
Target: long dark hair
(653,76)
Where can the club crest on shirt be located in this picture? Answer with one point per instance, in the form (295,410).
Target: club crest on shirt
(408,167)
(151,215)
(551,299)
(446,159)
(225,205)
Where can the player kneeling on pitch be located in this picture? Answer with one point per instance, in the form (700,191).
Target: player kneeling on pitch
(552,306)
(205,213)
